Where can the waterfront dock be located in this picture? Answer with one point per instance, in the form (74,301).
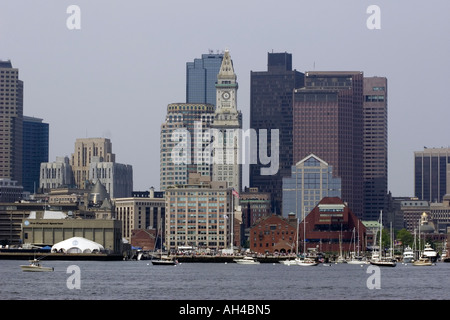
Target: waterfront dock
(30,255)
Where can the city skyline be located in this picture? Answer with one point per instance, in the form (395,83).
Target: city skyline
(113,85)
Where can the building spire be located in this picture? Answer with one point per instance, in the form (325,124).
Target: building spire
(226,72)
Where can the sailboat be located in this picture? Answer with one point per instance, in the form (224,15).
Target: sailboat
(377,258)
(355,257)
(292,262)
(306,261)
(341,258)
(163,260)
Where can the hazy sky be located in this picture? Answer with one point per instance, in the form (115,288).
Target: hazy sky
(115,76)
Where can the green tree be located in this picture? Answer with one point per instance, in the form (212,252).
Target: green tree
(405,237)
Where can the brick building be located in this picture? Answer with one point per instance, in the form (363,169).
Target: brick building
(274,234)
(331,227)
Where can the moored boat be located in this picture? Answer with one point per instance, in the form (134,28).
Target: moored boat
(423,261)
(307,262)
(408,255)
(246,260)
(430,253)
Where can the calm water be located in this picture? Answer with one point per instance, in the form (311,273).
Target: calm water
(139,280)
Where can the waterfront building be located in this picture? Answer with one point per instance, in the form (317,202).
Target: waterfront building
(35,152)
(274,234)
(330,227)
(255,205)
(271,107)
(56,174)
(11,123)
(328,122)
(146,239)
(184,140)
(43,231)
(201,77)
(375,148)
(116,177)
(227,123)
(311,179)
(199,215)
(430,173)
(85,150)
(13,213)
(140,213)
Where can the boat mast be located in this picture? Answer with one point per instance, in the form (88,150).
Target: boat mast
(381,229)
(304,232)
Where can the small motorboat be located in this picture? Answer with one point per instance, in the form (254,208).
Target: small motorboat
(246,260)
(423,261)
(35,266)
(306,262)
(165,261)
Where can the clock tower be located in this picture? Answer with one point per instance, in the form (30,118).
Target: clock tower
(227,122)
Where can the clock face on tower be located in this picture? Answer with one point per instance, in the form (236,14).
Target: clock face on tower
(226,95)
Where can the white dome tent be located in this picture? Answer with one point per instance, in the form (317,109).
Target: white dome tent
(77,245)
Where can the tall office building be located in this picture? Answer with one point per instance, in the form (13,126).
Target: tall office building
(271,94)
(186,124)
(56,174)
(116,177)
(430,173)
(201,77)
(35,151)
(11,122)
(85,150)
(328,122)
(375,147)
(228,121)
(311,180)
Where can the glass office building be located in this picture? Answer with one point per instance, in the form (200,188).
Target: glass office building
(311,180)
(430,173)
(271,102)
(35,151)
(201,77)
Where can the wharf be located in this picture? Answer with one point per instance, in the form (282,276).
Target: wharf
(224,258)
(30,255)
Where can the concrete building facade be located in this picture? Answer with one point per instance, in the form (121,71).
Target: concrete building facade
(199,215)
(11,122)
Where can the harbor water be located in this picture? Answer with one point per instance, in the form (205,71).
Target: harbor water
(140,280)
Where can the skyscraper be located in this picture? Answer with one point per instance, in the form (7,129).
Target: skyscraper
(431,167)
(85,150)
(227,122)
(271,94)
(328,122)
(201,77)
(183,141)
(375,147)
(35,151)
(11,122)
